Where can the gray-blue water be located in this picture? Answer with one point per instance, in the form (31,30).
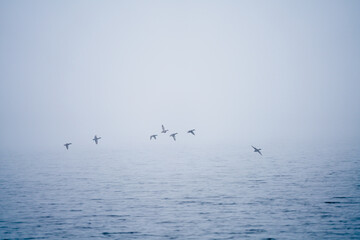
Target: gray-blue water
(181,193)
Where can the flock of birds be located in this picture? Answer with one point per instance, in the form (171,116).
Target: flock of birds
(95,139)
(173,135)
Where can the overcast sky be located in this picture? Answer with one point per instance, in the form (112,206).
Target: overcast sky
(237,71)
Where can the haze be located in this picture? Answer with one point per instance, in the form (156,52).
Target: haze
(244,72)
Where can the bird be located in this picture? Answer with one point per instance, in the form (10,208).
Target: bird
(163,129)
(67,145)
(153,136)
(257,150)
(192,131)
(173,135)
(96,139)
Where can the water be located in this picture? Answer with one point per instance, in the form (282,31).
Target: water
(181,193)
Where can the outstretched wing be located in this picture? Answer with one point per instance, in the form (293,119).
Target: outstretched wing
(163,128)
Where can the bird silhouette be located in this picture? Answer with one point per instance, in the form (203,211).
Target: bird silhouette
(96,139)
(257,150)
(192,131)
(173,135)
(163,129)
(67,145)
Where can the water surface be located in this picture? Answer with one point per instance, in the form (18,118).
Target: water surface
(181,193)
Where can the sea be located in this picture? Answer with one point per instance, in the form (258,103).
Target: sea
(181,192)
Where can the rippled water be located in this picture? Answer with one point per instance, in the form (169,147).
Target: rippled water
(181,193)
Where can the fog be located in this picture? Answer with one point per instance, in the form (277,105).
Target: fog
(240,72)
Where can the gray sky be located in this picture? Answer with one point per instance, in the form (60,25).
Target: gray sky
(237,71)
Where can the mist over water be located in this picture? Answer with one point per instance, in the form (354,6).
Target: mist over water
(282,76)
(238,71)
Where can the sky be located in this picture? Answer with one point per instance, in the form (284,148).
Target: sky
(240,72)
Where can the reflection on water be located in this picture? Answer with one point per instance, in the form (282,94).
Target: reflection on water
(183,194)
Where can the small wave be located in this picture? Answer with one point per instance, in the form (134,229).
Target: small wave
(232,203)
(114,233)
(187,202)
(334,202)
(254,230)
